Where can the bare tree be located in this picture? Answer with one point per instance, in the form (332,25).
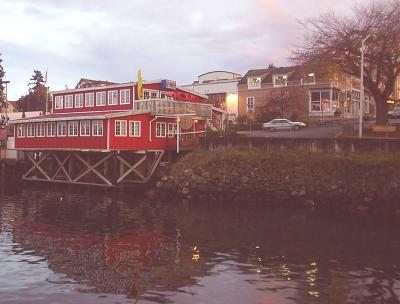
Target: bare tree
(336,40)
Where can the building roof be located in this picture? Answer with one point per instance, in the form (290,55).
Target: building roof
(88,83)
(293,72)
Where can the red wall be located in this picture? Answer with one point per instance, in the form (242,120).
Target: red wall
(64,142)
(142,142)
(95,108)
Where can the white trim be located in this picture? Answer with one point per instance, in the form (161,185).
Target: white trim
(120,128)
(23,130)
(82,100)
(106,87)
(132,122)
(27,130)
(54,124)
(62,123)
(285,76)
(70,123)
(165,129)
(112,95)
(94,124)
(61,97)
(174,130)
(43,128)
(71,96)
(122,93)
(151,91)
(108,133)
(248,110)
(81,123)
(104,94)
(86,99)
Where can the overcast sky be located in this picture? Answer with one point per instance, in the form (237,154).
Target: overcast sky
(174,39)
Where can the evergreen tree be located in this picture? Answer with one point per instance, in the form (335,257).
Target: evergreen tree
(36,98)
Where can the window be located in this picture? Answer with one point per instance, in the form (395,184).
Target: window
(250,103)
(120,128)
(21,130)
(172,129)
(40,130)
(101,98)
(160,129)
(51,129)
(309,78)
(58,102)
(97,126)
(164,95)
(61,129)
(73,128)
(89,99)
(31,130)
(135,128)
(85,128)
(69,101)
(320,100)
(113,97)
(125,96)
(280,80)
(147,94)
(78,100)
(254,83)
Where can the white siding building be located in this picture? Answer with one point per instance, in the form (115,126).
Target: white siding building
(221,89)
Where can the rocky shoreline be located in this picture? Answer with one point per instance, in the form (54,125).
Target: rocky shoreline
(352,182)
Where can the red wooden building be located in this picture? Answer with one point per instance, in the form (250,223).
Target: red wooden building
(103,133)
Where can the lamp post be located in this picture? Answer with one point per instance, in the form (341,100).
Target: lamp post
(360,123)
(6,82)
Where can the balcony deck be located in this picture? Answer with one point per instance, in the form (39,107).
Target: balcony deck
(162,106)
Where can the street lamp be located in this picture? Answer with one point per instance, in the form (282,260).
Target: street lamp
(360,123)
(6,82)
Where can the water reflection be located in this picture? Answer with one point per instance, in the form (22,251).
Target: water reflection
(127,248)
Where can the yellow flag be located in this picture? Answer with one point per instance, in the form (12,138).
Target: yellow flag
(140,84)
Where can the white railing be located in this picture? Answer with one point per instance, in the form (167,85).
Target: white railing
(161,106)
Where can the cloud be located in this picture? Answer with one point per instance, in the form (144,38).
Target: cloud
(167,39)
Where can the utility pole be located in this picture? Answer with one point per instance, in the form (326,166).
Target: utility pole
(360,123)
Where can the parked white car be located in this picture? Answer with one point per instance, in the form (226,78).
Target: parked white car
(281,124)
(394,113)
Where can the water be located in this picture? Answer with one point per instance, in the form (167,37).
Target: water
(86,246)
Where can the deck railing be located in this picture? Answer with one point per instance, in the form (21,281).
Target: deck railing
(161,106)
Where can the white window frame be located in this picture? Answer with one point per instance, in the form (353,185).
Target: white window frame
(69,102)
(53,128)
(254,82)
(87,99)
(103,98)
(133,126)
(97,126)
(40,130)
(253,107)
(172,129)
(114,99)
(161,129)
(79,102)
(30,130)
(59,102)
(84,128)
(277,85)
(125,96)
(21,130)
(122,128)
(62,124)
(75,125)
(149,92)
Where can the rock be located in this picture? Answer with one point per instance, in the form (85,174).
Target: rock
(185,191)
(302,192)
(188,172)
(199,179)
(159,184)
(244,179)
(164,178)
(368,199)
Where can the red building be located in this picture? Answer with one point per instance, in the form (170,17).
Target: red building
(104,133)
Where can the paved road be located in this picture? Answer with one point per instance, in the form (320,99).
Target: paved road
(308,132)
